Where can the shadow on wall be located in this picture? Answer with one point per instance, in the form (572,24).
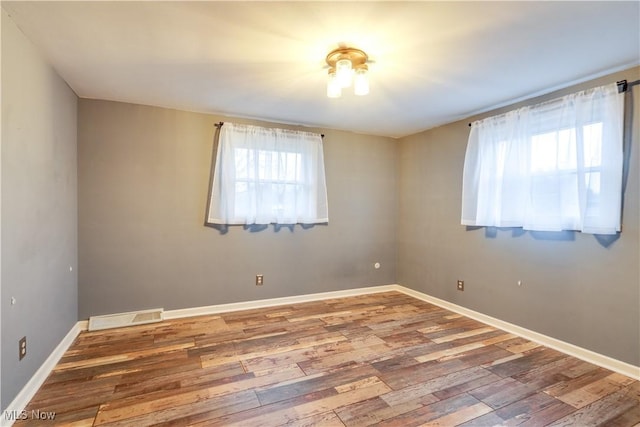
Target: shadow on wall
(605,240)
(626,147)
(254,228)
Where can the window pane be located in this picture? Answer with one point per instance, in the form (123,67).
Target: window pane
(592,182)
(241,156)
(264,161)
(276,166)
(567,149)
(242,201)
(279,176)
(553,151)
(592,144)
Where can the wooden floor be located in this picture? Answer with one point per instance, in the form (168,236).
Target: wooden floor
(384,359)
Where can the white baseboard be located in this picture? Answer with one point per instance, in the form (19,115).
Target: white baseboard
(29,390)
(271,302)
(598,359)
(33,385)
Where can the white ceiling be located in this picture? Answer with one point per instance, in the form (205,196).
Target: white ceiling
(432,62)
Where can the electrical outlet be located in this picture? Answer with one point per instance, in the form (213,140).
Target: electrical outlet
(259,279)
(461,285)
(22,348)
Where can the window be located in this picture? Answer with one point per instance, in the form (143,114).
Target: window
(549,167)
(264,176)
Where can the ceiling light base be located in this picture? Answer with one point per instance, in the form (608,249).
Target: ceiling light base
(345,63)
(356,56)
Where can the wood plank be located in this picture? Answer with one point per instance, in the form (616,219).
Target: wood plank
(523,408)
(627,418)
(466,334)
(313,408)
(376,410)
(296,356)
(450,390)
(216,359)
(503,392)
(420,373)
(327,419)
(122,357)
(569,385)
(406,394)
(461,415)
(213,407)
(433,411)
(360,355)
(543,417)
(601,411)
(548,374)
(307,384)
(110,413)
(590,393)
(488,420)
(462,348)
(527,362)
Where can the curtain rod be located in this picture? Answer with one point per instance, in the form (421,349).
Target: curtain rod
(219,125)
(623,85)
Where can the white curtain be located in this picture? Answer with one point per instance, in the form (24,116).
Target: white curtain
(268,176)
(550,167)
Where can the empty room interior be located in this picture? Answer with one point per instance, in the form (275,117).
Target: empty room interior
(320,213)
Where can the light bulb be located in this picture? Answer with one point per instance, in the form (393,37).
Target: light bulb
(343,72)
(333,87)
(361,83)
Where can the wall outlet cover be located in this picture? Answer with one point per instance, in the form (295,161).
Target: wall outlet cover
(22,348)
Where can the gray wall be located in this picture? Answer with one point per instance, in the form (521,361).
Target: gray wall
(39,208)
(143,179)
(574,288)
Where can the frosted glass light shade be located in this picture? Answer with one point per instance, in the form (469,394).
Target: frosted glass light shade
(361,83)
(333,86)
(343,72)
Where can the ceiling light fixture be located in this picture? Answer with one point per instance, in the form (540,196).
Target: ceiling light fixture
(347,65)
